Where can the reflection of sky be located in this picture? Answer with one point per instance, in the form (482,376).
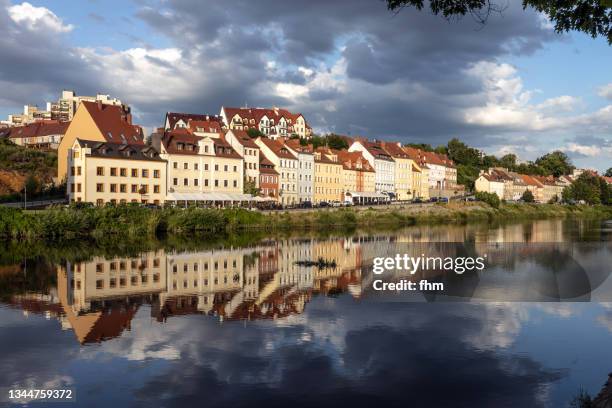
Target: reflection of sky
(339,351)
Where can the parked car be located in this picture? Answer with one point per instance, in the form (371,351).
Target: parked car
(433,199)
(348,203)
(305,204)
(323,204)
(336,204)
(443,200)
(417,200)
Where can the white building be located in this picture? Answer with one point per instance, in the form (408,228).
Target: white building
(383,164)
(306,169)
(286,164)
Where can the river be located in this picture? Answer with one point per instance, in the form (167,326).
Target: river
(240,321)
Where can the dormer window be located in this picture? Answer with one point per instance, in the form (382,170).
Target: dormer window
(110,135)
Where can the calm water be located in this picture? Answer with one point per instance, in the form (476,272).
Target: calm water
(237,322)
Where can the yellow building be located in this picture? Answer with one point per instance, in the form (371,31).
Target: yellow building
(328,177)
(403,170)
(97,122)
(103,173)
(201,165)
(420,173)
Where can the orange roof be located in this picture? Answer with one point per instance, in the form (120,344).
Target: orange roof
(204,126)
(244,139)
(530,181)
(174,117)
(277,148)
(394,149)
(114,124)
(349,161)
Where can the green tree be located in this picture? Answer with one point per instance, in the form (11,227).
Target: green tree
(508,161)
(490,198)
(336,142)
(587,187)
(317,141)
(609,172)
(556,163)
(250,187)
(254,133)
(593,17)
(528,196)
(32,185)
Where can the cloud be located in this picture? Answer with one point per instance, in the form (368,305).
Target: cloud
(35,18)
(605,91)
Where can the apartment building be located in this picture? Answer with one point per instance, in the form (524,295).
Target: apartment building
(286,164)
(95,121)
(383,164)
(201,125)
(199,165)
(328,176)
(403,170)
(273,123)
(420,173)
(306,168)
(358,178)
(552,189)
(268,178)
(102,173)
(242,143)
(490,183)
(38,135)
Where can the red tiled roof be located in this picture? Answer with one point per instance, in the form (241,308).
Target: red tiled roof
(43,128)
(297,146)
(204,126)
(173,118)
(174,137)
(350,159)
(376,150)
(113,122)
(394,149)
(257,113)
(530,181)
(278,148)
(244,139)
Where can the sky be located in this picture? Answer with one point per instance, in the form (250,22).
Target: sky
(350,66)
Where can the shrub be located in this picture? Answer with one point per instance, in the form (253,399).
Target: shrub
(490,198)
(528,196)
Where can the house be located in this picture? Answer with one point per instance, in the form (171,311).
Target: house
(248,149)
(97,122)
(199,166)
(176,120)
(533,185)
(102,172)
(273,123)
(403,170)
(358,178)
(306,168)
(490,183)
(268,178)
(420,173)
(39,135)
(328,178)
(286,164)
(552,189)
(383,164)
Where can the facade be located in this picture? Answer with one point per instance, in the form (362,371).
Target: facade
(102,173)
(268,178)
(383,164)
(420,173)
(273,123)
(286,164)
(358,178)
(31,114)
(328,177)
(198,165)
(533,185)
(403,170)
(551,188)
(96,121)
(39,135)
(210,125)
(306,168)
(437,173)
(246,147)
(489,183)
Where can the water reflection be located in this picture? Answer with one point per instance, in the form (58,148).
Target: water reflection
(247,325)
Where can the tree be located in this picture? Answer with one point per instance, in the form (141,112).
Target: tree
(609,172)
(317,141)
(254,133)
(490,198)
(32,185)
(528,196)
(250,187)
(593,17)
(556,163)
(508,161)
(587,187)
(336,142)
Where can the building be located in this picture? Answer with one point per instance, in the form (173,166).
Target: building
(306,168)
(207,123)
(420,173)
(268,178)
(200,166)
(404,166)
(38,135)
(328,176)
(31,114)
(102,173)
(383,164)
(66,106)
(358,178)
(552,189)
(97,122)
(286,164)
(533,185)
(273,123)
(246,147)
(490,183)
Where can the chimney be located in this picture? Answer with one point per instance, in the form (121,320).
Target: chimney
(128,118)
(99,103)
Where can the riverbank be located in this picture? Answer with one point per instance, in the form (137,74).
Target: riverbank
(133,222)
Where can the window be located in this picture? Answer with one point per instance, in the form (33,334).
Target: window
(145,173)
(216,183)
(206,167)
(175,165)
(155,173)
(113,171)
(195,182)
(99,202)
(134,188)
(235,183)
(216,167)
(224,183)
(78,187)
(175,181)
(195,166)
(123,188)
(186,166)
(235,169)
(225,167)
(206,182)
(185,182)
(100,171)
(100,188)
(72,171)
(156,189)
(123,172)
(72,188)
(134,172)
(144,189)
(78,170)
(113,188)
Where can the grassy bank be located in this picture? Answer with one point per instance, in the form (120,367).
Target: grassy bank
(133,222)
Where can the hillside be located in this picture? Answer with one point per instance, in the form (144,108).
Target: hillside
(17,164)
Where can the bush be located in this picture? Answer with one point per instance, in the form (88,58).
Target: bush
(528,196)
(490,198)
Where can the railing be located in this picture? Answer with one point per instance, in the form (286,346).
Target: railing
(35,204)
